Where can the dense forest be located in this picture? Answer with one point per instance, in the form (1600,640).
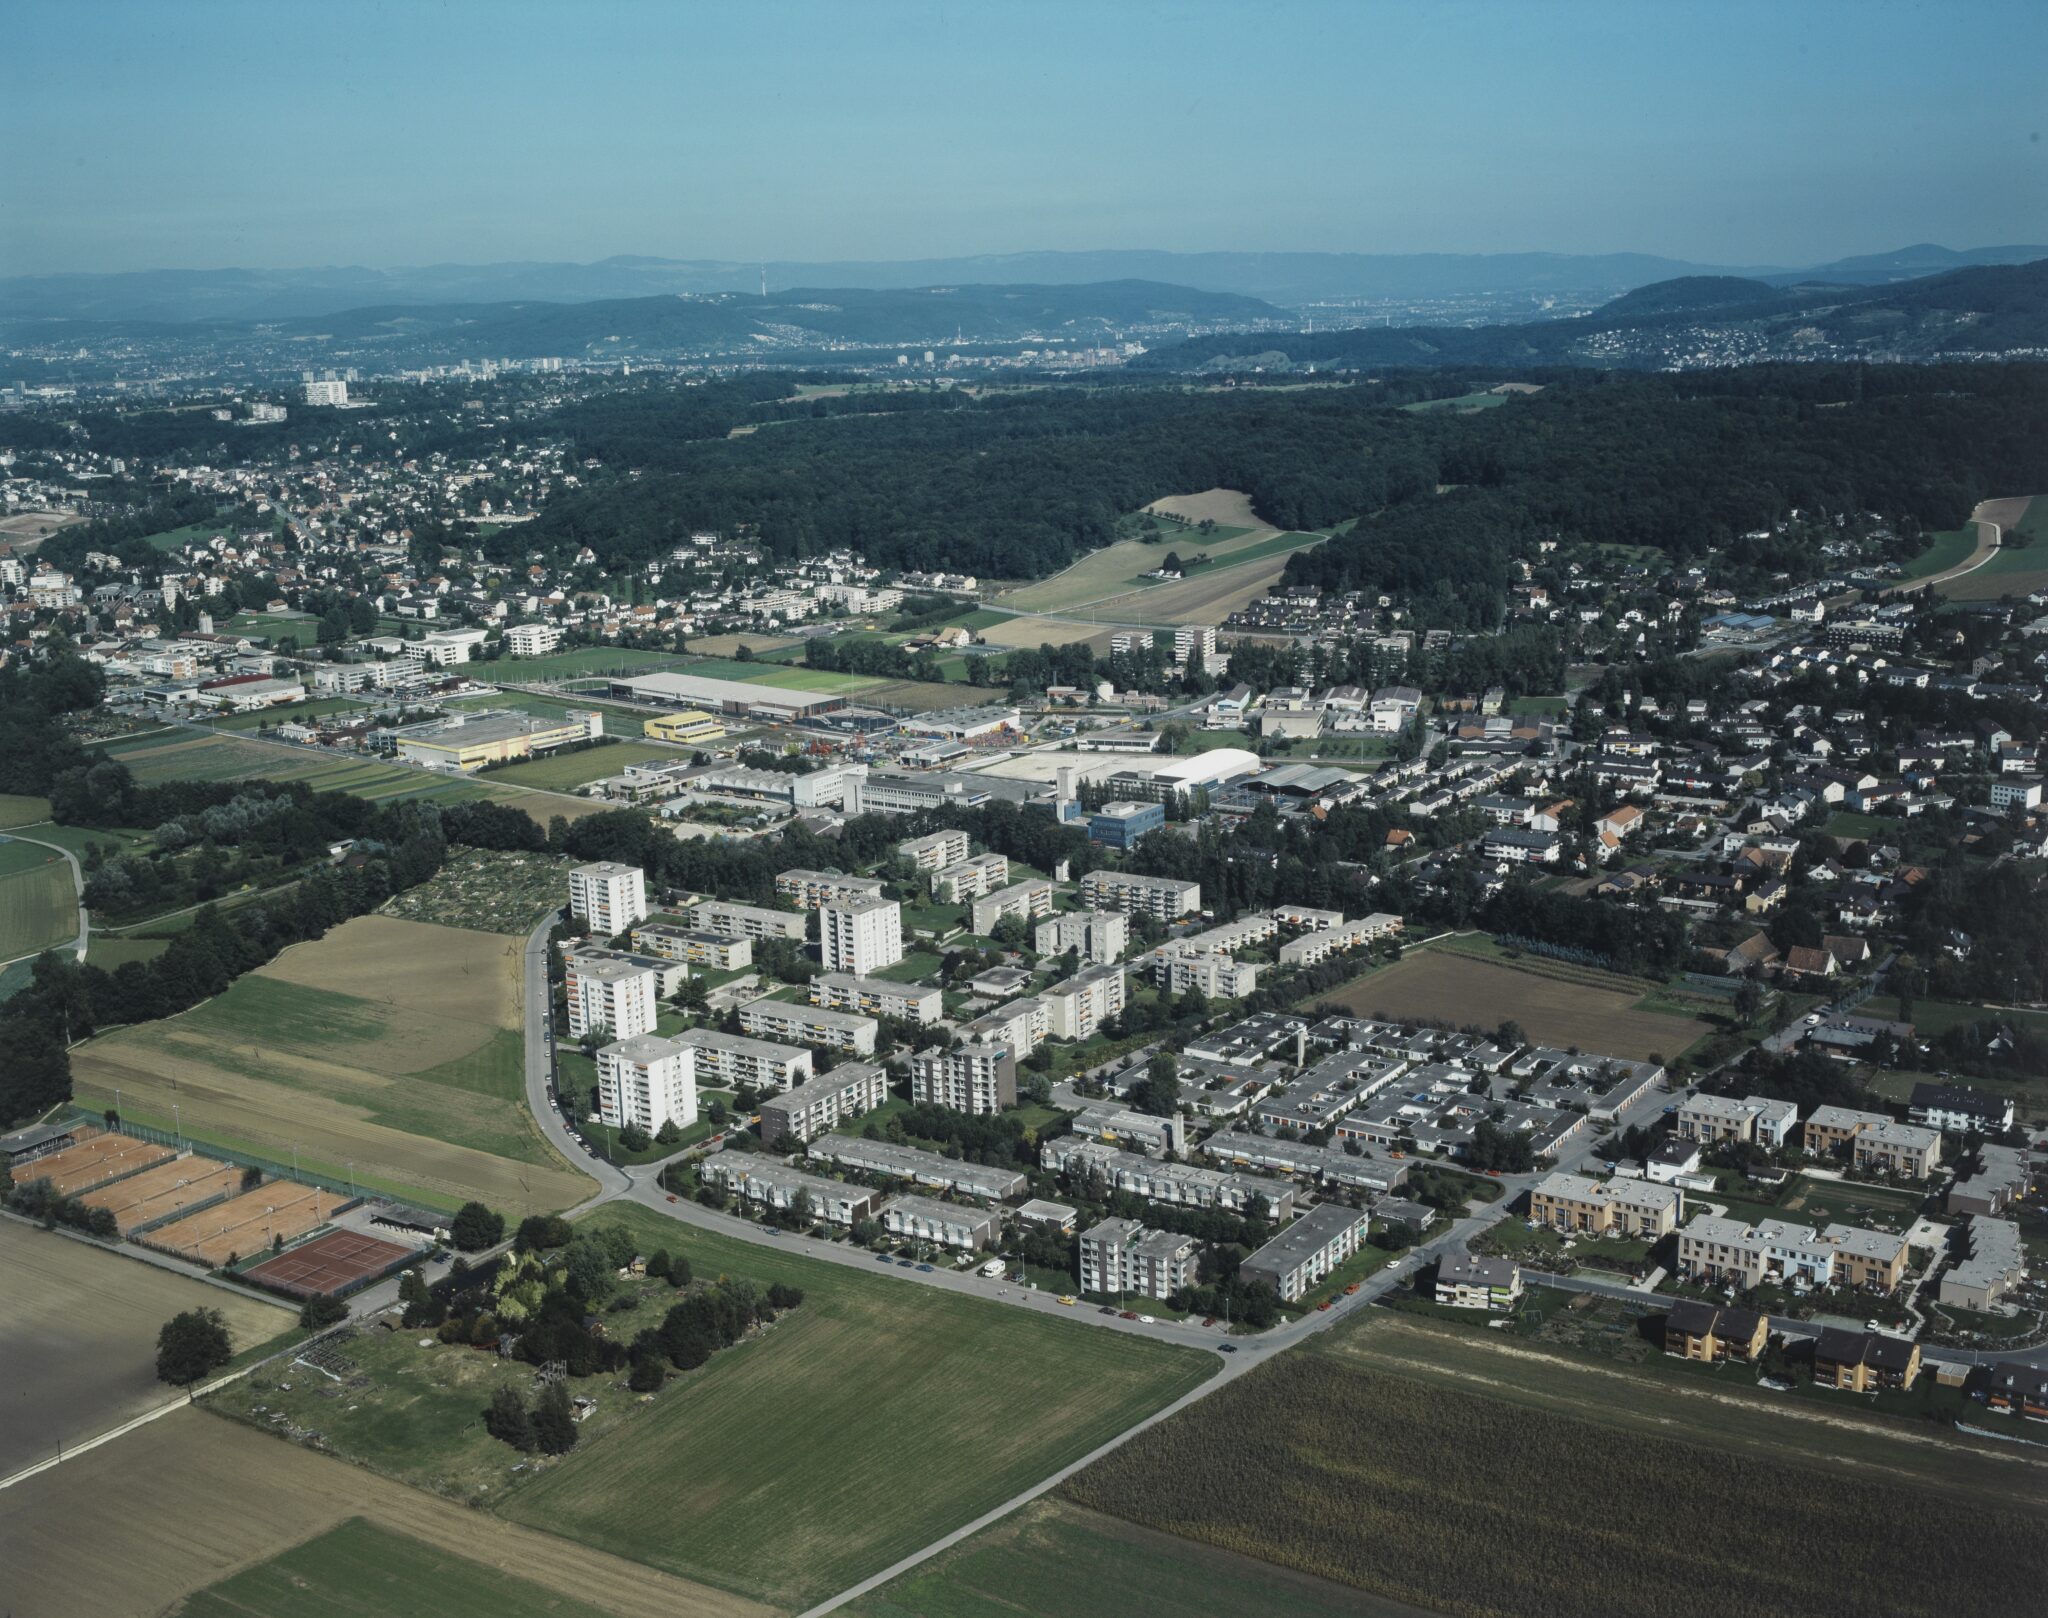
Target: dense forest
(1017,484)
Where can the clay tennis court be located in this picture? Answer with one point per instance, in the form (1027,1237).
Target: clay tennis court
(327,1264)
(158,1193)
(248,1223)
(92,1161)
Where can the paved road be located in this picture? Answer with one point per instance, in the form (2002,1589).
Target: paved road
(77,886)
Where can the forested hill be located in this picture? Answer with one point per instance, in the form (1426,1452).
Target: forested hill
(1016,484)
(1693,321)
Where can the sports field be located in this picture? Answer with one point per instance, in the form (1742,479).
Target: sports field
(1555,1003)
(78,1338)
(392,1045)
(564,772)
(328,1263)
(38,903)
(866,1424)
(1055,1560)
(192,1499)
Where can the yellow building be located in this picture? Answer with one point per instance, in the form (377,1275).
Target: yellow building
(683,727)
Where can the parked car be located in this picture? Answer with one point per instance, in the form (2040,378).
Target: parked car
(1147,1320)
(1066,1301)
(1353,1287)
(1130,1314)
(926,1268)
(671,1196)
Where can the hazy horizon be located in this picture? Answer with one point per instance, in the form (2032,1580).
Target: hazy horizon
(250,136)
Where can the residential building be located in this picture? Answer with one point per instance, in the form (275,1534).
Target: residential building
(608,897)
(1187,1185)
(1320,943)
(860,936)
(646,1081)
(1465,1282)
(799,1024)
(970,878)
(957,1225)
(1959,1110)
(762,1180)
(1215,977)
(936,852)
(1574,1205)
(1711,1332)
(751,921)
(1021,1025)
(1100,937)
(734,1062)
(887,1160)
(1864,1362)
(1710,1118)
(1165,898)
(975,1079)
(2000,1178)
(1028,900)
(1114,1122)
(1994,1263)
(1080,1005)
(1718,1249)
(801,1115)
(1904,1150)
(609,994)
(811,889)
(1120,825)
(1514,847)
(707,949)
(532,640)
(878,997)
(1120,1256)
(1305,1252)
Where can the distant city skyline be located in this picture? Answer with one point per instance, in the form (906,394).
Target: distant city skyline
(236,134)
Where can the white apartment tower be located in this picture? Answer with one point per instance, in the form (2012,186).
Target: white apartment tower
(647,1081)
(616,996)
(860,936)
(608,897)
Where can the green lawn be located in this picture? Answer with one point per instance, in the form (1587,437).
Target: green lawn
(866,1424)
(564,772)
(1549,706)
(274,626)
(38,902)
(197,533)
(359,1570)
(296,713)
(1950,549)
(1933,1018)
(584,660)
(1846,823)
(916,965)
(17,809)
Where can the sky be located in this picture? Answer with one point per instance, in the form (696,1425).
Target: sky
(212,133)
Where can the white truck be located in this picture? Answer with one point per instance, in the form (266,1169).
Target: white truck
(993,1268)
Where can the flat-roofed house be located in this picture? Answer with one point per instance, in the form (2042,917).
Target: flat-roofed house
(949,1224)
(1294,1261)
(1575,1205)
(817,1105)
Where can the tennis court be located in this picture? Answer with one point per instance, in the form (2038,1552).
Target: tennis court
(328,1264)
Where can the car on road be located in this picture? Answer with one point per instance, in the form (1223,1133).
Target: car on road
(905,1264)
(1353,1287)
(1109,1309)
(884,1258)
(1324,1304)
(1130,1314)
(1147,1320)
(1230,1348)
(671,1196)
(1209,1320)
(926,1268)
(1066,1302)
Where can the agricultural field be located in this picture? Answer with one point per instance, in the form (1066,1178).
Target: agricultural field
(1211,594)
(78,1337)
(38,899)
(393,1046)
(16,809)
(727,645)
(487,890)
(565,771)
(1115,575)
(763,1475)
(1036,631)
(2014,569)
(295,713)
(783,677)
(1463,404)
(1054,1560)
(1404,1459)
(1557,1004)
(194,1499)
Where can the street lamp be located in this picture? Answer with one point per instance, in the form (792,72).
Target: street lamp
(177,1124)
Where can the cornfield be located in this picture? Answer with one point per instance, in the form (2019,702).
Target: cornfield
(1473,1507)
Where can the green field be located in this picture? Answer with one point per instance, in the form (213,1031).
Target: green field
(296,713)
(564,772)
(1121,567)
(1055,1560)
(359,1570)
(585,660)
(19,810)
(38,903)
(197,533)
(184,756)
(110,952)
(869,1422)
(274,626)
(782,677)
(1461,405)
(1950,549)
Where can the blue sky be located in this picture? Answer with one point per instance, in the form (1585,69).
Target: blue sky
(199,134)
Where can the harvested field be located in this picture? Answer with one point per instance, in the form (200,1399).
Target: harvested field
(1207,597)
(919,696)
(93,1161)
(1047,632)
(1227,508)
(277,1210)
(395,1045)
(1470,991)
(193,1498)
(165,1190)
(328,1264)
(78,1338)
(38,900)
(728,645)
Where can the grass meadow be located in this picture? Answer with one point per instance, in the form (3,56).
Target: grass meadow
(38,902)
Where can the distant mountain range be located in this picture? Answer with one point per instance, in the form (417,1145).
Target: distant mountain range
(1290,279)
(1686,322)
